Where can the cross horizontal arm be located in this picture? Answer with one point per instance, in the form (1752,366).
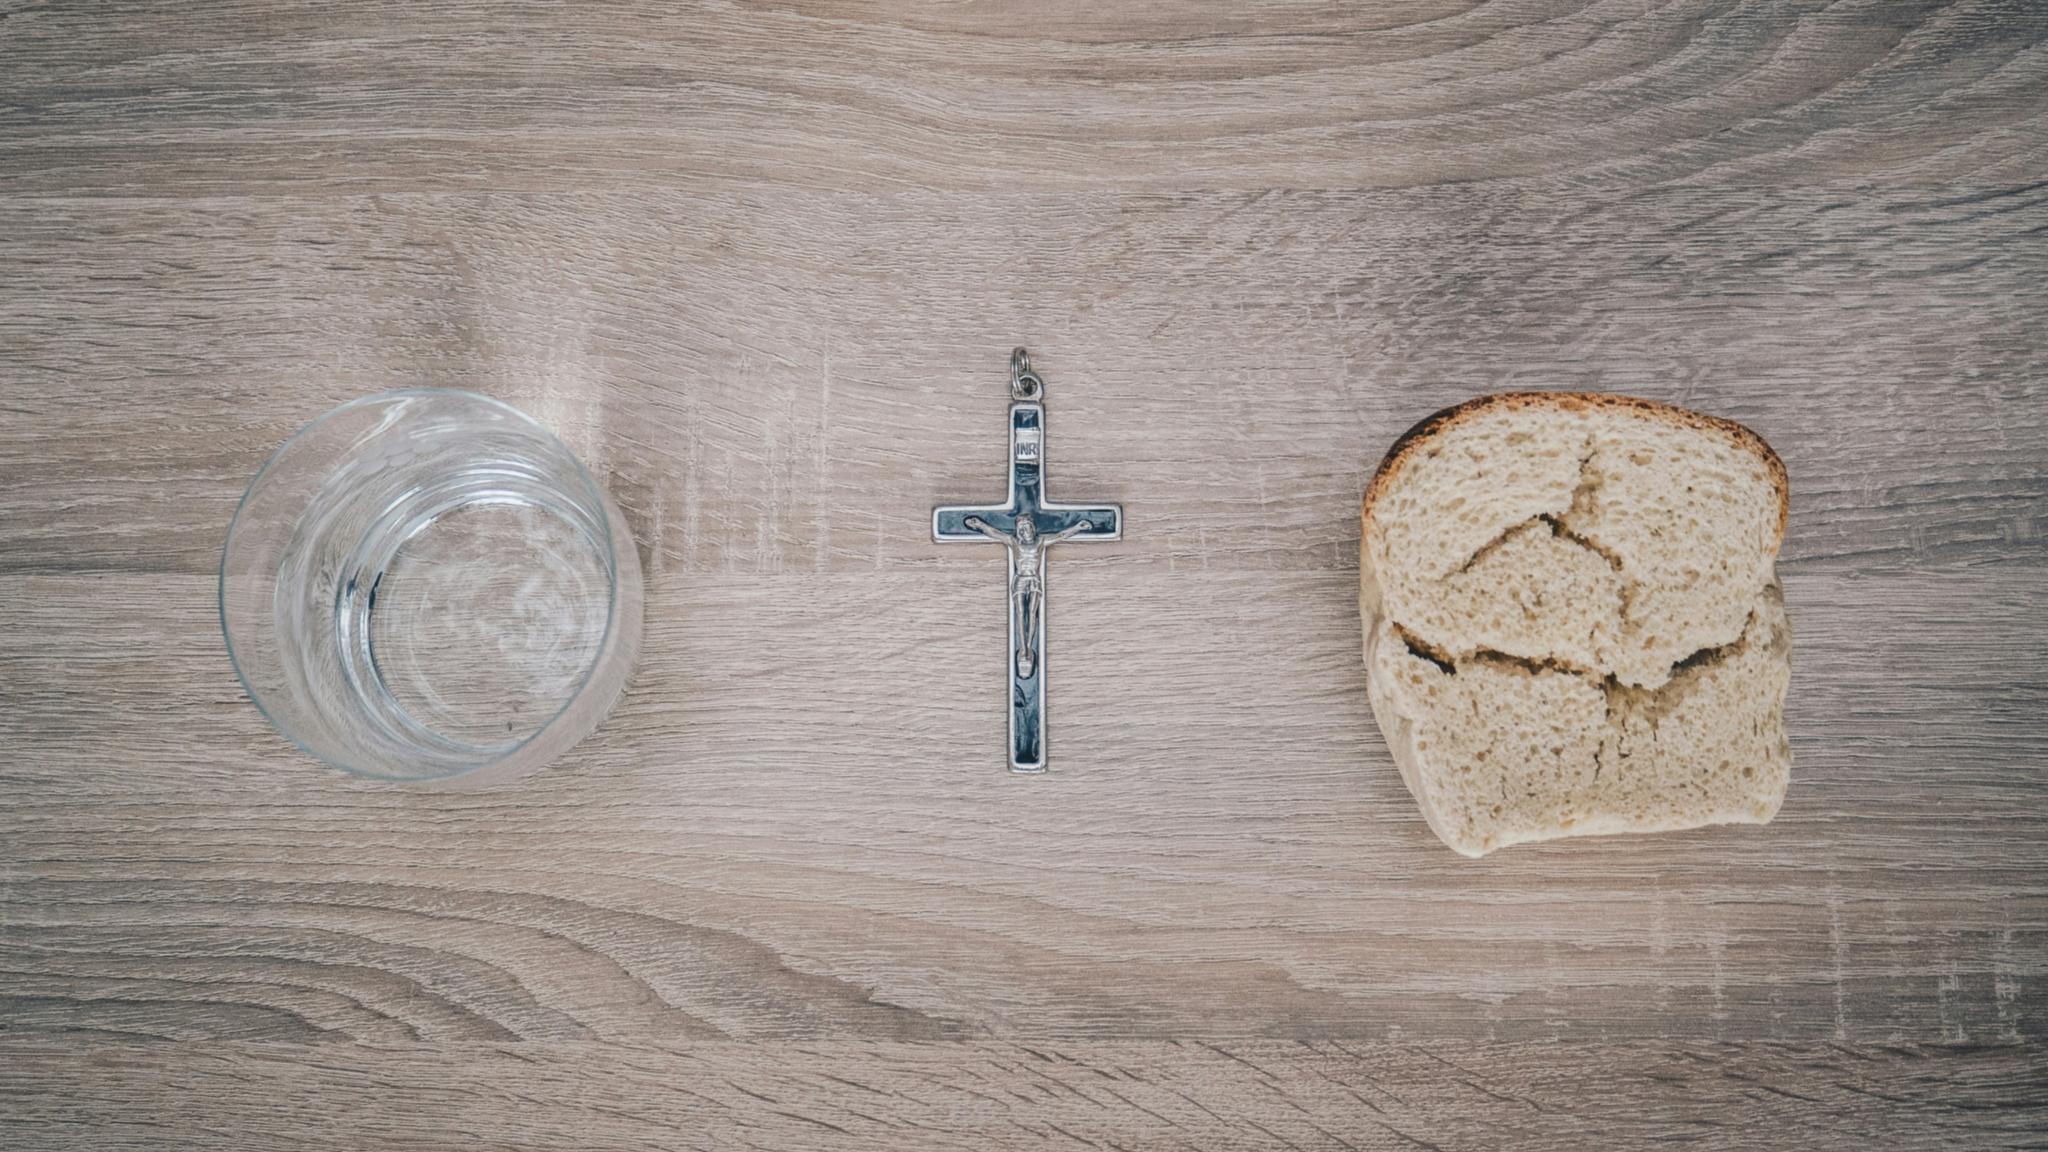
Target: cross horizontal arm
(1104,522)
(950,525)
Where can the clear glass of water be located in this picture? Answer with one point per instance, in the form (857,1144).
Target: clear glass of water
(427,586)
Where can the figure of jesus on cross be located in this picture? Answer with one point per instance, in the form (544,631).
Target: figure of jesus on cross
(1027,577)
(1029,525)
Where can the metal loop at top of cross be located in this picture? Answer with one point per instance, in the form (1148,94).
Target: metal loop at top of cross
(1024,383)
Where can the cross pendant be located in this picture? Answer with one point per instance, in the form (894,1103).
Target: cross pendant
(1029,525)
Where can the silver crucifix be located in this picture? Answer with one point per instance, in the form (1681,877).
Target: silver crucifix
(1028,524)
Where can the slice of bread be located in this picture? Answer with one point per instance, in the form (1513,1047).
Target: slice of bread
(1572,618)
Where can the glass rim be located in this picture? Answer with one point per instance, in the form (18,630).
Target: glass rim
(584,678)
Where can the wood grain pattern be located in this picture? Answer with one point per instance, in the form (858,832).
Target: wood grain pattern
(761,264)
(978,1094)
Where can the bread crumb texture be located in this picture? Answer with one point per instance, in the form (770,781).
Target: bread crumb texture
(1574,625)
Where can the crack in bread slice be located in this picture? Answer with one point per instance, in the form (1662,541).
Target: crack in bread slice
(1573,624)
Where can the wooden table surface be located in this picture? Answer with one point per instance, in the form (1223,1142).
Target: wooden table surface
(761,265)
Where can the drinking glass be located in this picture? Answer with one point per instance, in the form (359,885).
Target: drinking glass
(427,586)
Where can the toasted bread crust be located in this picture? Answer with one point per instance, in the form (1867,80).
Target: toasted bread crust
(1435,425)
